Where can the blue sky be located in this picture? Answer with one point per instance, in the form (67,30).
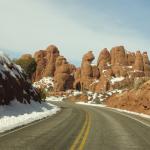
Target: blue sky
(75,26)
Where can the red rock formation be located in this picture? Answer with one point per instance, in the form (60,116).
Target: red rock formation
(104,60)
(52,54)
(41,63)
(86,70)
(96,72)
(77,77)
(146,64)
(117,63)
(137,100)
(63,78)
(131,58)
(118,56)
(45,60)
(139,65)
(102,86)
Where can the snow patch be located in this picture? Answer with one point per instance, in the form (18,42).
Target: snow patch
(46,82)
(7,66)
(94,82)
(4,59)
(104,71)
(130,67)
(93,65)
(117,79)
(55,98)
(76,93)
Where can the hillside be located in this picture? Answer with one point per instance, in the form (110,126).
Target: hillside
(14,84)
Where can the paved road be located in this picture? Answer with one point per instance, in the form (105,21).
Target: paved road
(79,127)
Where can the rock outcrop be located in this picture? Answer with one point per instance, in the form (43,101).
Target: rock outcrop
(139,64)
(104,59)
(118,56)
(137,99)
(131,58)
(116,69)
(63,76)
(111,66)
(45,60)
(146,64)
(14,84)
(97,78)
(87,73)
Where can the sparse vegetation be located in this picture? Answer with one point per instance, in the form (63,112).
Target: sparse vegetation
(139,81)
(28,65)
(42,93)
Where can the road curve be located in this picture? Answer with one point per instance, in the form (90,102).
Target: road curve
(79,127)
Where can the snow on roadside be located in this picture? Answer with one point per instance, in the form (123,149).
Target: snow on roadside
(75,93)
(121,110)
(55,98)
(17,114)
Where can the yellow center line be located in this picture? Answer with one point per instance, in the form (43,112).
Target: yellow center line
(85,134)
(82,135)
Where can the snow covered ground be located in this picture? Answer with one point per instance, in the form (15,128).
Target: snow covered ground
(17,114)
(117,79)
(45,82)
(54,98)
(121,110)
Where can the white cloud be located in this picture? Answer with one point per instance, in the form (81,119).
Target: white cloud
(28,25)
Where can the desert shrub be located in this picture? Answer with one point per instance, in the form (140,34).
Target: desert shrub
(139,81)
(42,93)
(28,65)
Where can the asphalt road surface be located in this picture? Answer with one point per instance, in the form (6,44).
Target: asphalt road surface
(79,127)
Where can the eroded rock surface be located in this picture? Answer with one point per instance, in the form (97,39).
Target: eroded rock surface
(45,60)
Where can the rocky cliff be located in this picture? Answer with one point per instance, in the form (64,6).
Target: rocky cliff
(114,69)
(14,83)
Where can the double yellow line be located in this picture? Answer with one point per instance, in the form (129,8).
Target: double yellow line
(83,134)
